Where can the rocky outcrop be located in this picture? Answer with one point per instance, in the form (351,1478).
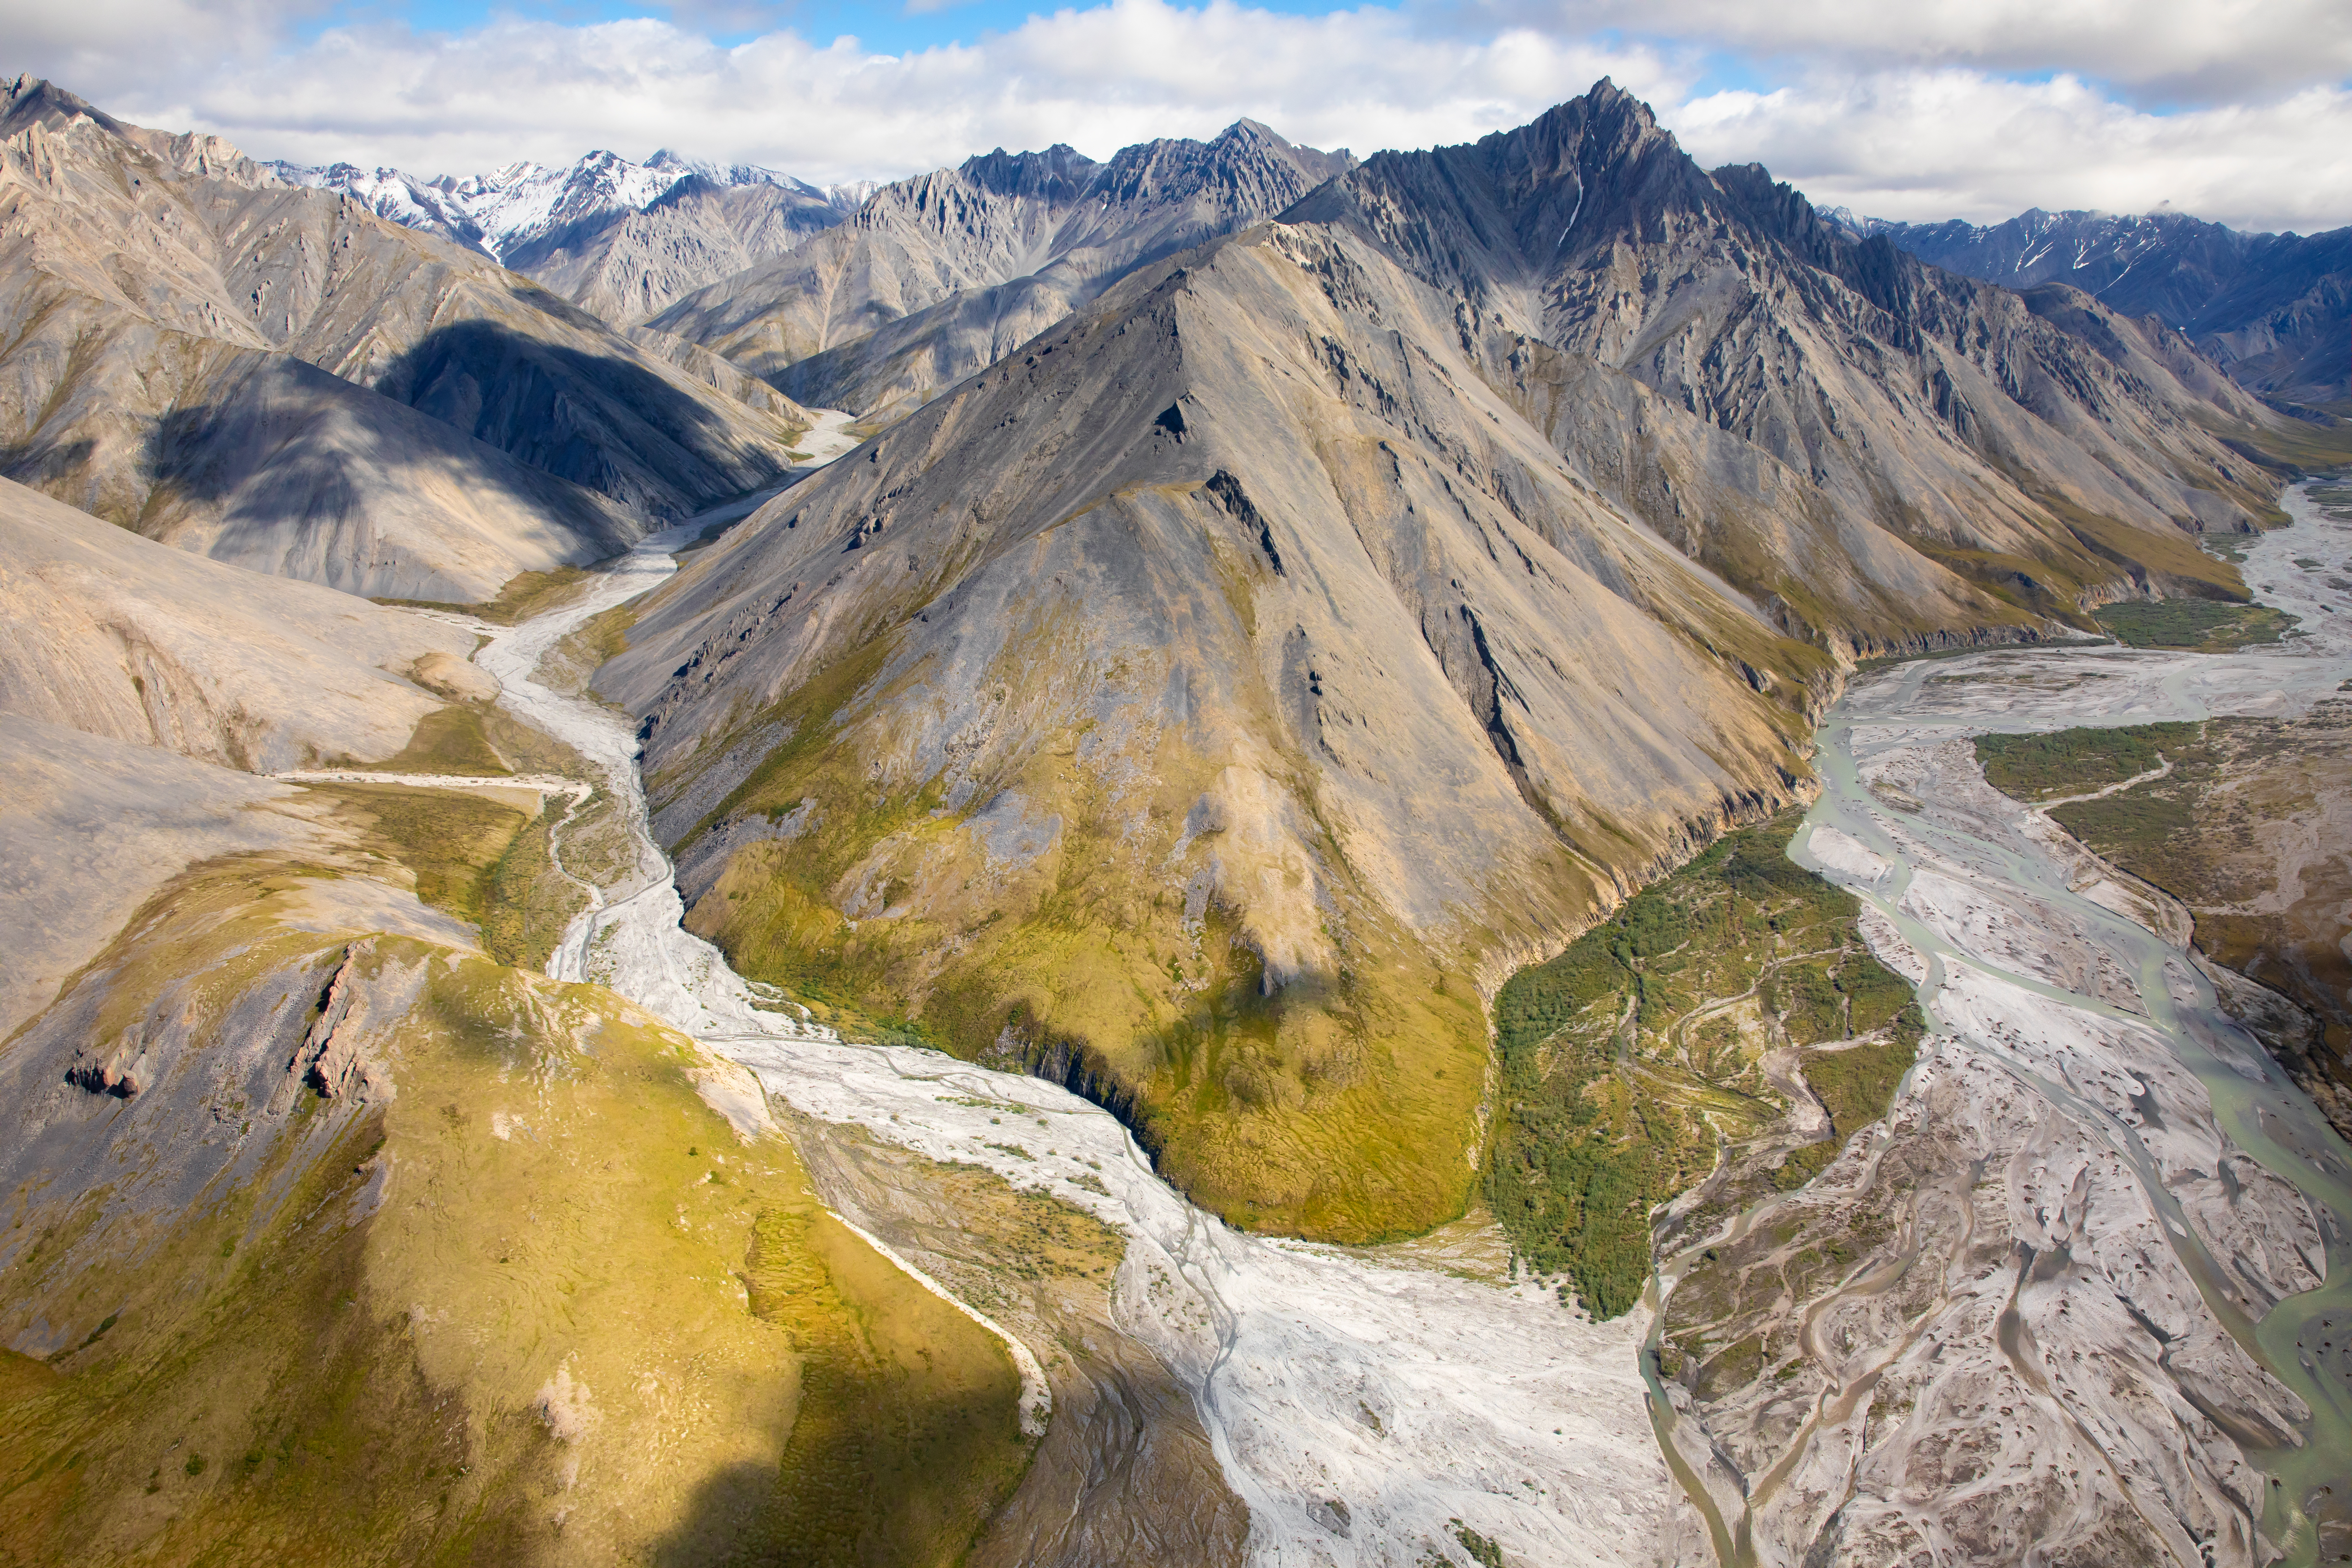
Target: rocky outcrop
(332,1056)
(121,1069)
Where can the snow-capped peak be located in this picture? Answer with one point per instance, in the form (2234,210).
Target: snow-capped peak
(501,211)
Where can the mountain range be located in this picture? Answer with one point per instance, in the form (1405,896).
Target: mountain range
(1273,596)
(619,239)
(2275,310)
(1389,588)
(936,275)
(273,376)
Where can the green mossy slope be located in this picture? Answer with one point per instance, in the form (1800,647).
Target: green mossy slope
(1630,1060)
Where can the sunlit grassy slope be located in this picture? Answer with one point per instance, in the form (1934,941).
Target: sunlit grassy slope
(1338,1107)
(534,1301)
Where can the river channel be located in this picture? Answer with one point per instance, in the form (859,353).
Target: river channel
(2027,960)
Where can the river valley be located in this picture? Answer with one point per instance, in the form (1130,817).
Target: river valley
(2090,1298)
(2107,1215)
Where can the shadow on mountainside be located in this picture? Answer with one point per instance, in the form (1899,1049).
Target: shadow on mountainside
(41,464)
(609,422)
(905,1439)
(286,442)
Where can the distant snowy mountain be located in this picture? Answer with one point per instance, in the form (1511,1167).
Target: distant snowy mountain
(2273,308)
(619,239)
(500,212)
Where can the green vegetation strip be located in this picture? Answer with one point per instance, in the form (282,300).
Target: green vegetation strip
(1632,1057)
(2197,624)
(2075,762)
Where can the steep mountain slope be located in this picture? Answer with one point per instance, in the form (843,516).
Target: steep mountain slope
(627,265)
(1196,721)
(619,239)
(1197,704)
(938,276)
(166,311)
(2046,465)
(2276,309)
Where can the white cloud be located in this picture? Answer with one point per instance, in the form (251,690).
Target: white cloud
(2169,50)
(1951,144)
(1099,79)
(1855,120)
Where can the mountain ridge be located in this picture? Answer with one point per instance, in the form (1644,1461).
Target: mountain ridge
(2272,308)
(936,275)
(199,350)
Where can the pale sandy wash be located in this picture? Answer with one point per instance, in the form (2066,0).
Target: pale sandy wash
(2108,1215)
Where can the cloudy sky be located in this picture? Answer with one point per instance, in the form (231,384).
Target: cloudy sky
(2239,110)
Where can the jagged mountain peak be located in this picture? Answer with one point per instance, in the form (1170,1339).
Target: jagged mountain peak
(1513,207)
(34,101)
(517,207)
(1057,173)
(1247,166)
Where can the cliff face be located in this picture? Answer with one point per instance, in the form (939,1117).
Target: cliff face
(276,376)
(1199,702)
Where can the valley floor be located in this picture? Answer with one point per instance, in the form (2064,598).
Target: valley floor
(2075,1294)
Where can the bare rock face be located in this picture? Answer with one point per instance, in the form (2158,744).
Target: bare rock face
(938,276)
(333,1056)
(273,374)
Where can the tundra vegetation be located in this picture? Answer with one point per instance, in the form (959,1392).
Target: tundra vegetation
(1635,1063)
(524,1296)
(2201,624)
